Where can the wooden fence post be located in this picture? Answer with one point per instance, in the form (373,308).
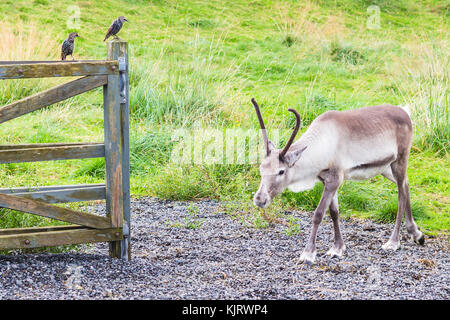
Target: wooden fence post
(116,102)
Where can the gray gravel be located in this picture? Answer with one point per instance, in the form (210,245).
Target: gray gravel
(224,259)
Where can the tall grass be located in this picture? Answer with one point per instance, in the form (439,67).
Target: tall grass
(167,91)
(298,24)
(424,86)
(22,43)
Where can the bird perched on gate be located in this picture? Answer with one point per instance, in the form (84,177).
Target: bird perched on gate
(68,45)
(115,27)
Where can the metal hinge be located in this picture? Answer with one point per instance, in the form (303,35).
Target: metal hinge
(122,64)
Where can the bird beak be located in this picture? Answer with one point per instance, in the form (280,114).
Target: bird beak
(126,20)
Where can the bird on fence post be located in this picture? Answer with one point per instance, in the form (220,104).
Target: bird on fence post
(68,45)
(115,27)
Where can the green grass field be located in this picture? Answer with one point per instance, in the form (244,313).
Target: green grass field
(197,64)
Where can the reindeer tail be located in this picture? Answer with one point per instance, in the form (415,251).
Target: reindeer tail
(407,109)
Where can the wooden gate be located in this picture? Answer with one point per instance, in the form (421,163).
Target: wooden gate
(112,74)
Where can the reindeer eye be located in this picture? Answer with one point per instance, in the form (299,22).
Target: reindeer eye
(281,172)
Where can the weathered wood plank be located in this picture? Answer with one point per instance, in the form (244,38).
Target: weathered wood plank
(118,50)
(58,238)
(41,145)
(75,194)
(113,158)
(44,61)
(49,188)
(50,211)
(9,231)
(113,141)
(58,69)
(65,152)
(114,145)
(51,96)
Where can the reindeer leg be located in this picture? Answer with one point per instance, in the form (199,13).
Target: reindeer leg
(331,180)
(411,226)
(399,173)
(338,248)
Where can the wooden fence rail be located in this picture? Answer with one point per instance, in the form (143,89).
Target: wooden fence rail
(26,69)
(51,96)
(61,194)
(112,75)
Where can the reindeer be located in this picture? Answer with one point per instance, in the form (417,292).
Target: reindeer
(337,146)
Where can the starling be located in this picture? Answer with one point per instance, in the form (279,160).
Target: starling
(67,46)
(115,27)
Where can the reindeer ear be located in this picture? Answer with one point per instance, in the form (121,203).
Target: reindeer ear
(291,157)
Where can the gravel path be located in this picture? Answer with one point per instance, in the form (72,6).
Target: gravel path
(223,259)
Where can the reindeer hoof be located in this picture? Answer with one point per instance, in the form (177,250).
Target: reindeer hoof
(420,240)
(308,258)
(336,252)
(391,245)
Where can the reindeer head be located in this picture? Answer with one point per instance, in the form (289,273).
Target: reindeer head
(276,168)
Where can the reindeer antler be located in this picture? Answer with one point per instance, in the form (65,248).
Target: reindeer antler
(294,133)
(261,123)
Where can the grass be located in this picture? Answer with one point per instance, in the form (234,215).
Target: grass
(23,43)
(388,211)
(191,221)
(196,65)
(428,95)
